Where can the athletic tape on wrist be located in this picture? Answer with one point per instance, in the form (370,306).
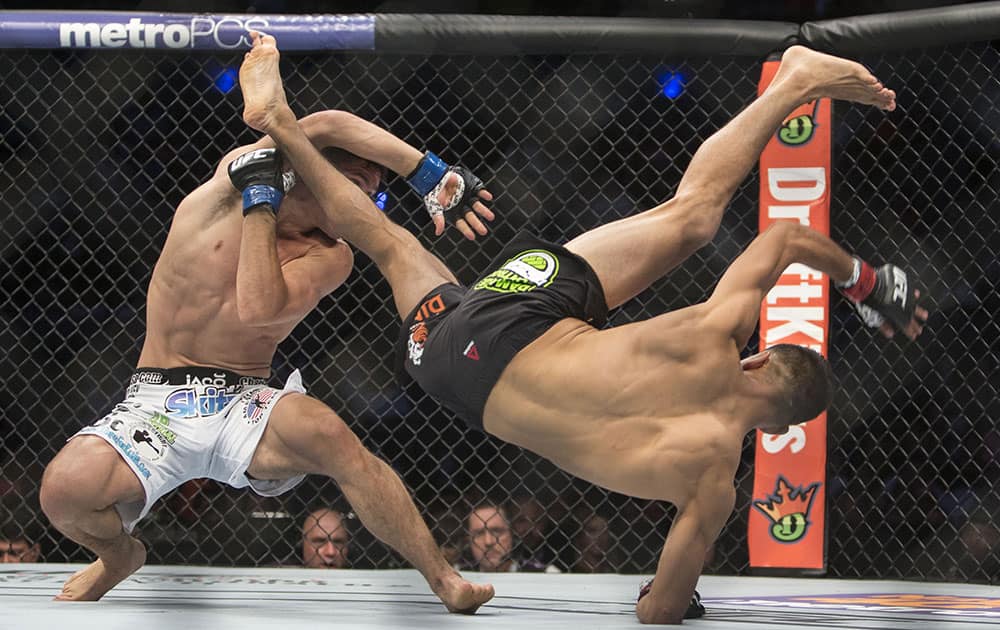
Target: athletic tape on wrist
(863,282)
(428,173)
(257,194)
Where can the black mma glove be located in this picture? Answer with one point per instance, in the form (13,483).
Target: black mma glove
(695,608)
(429,179)
(258,175)
(880,295)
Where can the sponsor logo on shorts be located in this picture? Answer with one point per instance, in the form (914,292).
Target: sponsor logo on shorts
(471,352)
(257,405)
(148,378)
(788,510)
(799,129)
(432,306)
(528,270)
(161,424)
(415,343)
(188,403)
(128,451)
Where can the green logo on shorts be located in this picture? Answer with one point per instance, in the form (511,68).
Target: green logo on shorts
(160,424)
(526,271)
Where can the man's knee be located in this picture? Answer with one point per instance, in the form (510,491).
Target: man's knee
(83,478)
(306,435)
(58,496)
(348,454)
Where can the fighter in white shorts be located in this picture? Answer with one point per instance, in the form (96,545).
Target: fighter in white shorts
(236,275)
(189,423)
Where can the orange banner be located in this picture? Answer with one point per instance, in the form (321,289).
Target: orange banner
(787,523)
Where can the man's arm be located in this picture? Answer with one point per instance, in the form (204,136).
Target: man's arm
(335,128)
(695,528)
(735,304)
(268,292)
(459,190)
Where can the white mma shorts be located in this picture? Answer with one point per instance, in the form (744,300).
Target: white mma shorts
(180,424)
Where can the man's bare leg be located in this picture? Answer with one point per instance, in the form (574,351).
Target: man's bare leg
(79,490)
(629,254)
(303,435)
(409,268)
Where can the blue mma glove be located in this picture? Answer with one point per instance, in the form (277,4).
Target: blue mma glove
(258,176)
(430,178)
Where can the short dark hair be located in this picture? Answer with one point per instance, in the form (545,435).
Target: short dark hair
(808,380)
(336,156)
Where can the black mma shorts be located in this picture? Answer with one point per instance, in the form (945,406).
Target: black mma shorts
(457,341)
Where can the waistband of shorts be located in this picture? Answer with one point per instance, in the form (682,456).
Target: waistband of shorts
(194,376)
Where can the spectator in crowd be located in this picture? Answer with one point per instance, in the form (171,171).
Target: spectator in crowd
(446,526)
(534,525)
(20,538)
(326,540)
(593,543)
(977,557)
(491,542)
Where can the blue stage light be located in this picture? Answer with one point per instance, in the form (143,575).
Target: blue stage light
(226,80)
(673,84)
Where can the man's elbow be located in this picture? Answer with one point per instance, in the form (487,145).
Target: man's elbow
(257,311)
(255,315)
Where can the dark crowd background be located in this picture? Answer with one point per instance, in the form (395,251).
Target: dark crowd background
(98,148)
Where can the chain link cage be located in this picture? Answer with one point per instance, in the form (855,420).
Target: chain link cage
(98,148)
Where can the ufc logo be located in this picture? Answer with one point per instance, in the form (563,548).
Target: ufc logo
(261,154)
(899,286)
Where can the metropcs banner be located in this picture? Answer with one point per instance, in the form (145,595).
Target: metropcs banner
(787,523)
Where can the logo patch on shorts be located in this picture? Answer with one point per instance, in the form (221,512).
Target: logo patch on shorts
(528,270)
(433,305)
(415,343)
(257,405)
(146,440)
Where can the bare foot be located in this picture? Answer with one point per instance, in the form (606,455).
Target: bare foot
(823,75)
(463,597)
(91,583)
(264,103)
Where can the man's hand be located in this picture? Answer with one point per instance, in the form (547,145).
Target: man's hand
(264,104)
(461,196)
(885,298)
(451,193)
(646,614)
(258,176)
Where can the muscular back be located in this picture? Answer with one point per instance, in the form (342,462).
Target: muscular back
(631,408)
(192,316)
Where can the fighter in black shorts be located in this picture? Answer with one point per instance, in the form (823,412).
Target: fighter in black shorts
(458,341)
(657,409)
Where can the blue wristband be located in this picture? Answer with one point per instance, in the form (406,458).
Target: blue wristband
(428,173)
(256,194)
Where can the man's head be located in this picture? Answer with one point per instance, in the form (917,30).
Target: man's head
(363,173)
(593,542)
(325,540)
(801,378)
(490,538)
(18,543)
(530,521)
